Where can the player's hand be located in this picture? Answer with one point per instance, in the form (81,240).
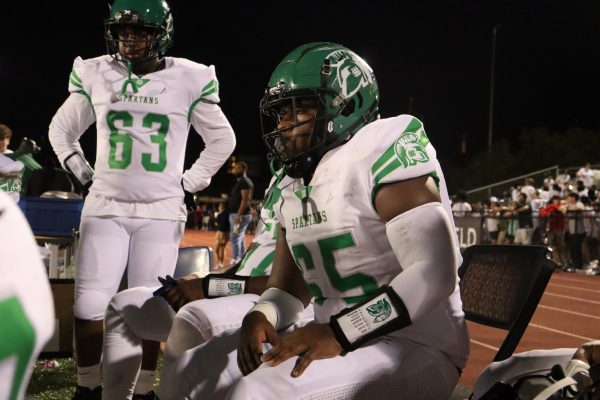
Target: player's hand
(184,292)
(188,200)
(311,342)
(255,331)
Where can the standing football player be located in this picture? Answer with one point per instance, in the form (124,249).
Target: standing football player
(366,229)
(143,104)
(26,303)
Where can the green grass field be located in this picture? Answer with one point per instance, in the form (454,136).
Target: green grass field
(53,383)
(57,383)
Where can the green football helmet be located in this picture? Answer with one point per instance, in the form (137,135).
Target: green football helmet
(152,15)
(346,93)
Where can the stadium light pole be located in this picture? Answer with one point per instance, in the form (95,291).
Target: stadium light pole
(492,79)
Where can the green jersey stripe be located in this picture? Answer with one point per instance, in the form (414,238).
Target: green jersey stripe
(247,257)
(75,77)
(75,83)
(210,88)
(389,168)
(261,268)
(389,153)
(413,126)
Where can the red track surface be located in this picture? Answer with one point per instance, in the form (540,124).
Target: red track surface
(568,314)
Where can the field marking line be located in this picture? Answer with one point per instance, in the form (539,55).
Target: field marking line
(561,332)
(569,312)
(571,298)
(596,291)
(487,346)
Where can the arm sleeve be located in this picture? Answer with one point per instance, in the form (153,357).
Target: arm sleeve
(214,128)
(74,117)
(68,124)
(422,242)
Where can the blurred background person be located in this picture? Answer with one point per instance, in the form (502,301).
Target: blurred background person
(461,205)
(5,136)
(222,235)
(239,210)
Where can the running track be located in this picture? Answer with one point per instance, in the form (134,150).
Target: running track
(568,314)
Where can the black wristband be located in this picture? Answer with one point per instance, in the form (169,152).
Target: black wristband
(220,285)
(383,313)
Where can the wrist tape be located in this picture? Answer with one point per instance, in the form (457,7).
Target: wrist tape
(383,313)
(221,285)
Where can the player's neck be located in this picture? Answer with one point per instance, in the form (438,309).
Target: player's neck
(148,66)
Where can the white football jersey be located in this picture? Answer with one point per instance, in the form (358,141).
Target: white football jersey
(339,241)
(26,304)
(142,127)
(258,260)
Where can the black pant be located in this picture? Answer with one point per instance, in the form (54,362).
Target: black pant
(575,241)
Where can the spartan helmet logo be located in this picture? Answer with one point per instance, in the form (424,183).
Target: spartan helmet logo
(350,74)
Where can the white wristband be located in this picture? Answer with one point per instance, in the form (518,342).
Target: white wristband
(288,308)
(268,310)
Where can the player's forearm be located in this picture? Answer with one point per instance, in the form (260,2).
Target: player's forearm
(257,284)
(68,124)
(422,242)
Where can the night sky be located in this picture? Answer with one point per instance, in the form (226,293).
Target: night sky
(437,53)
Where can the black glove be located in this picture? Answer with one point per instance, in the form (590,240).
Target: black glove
(188,199)
(28,146)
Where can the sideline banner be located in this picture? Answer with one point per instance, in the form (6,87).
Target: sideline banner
(468,229)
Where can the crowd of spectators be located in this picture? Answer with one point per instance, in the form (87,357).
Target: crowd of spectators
(563,213)
(205,217)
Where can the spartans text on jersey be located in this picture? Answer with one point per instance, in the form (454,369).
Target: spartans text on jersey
(309,219)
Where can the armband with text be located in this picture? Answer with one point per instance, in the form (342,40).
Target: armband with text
(383,313)
(79,167)
(221,285)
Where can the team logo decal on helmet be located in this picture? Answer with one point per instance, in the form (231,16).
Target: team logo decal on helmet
(350,76)
(380,310)
(409,150)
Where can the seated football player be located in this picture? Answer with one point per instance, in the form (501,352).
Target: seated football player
(179,316)
(366,229)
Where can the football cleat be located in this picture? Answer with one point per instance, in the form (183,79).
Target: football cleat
(148,396)
(83,393)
